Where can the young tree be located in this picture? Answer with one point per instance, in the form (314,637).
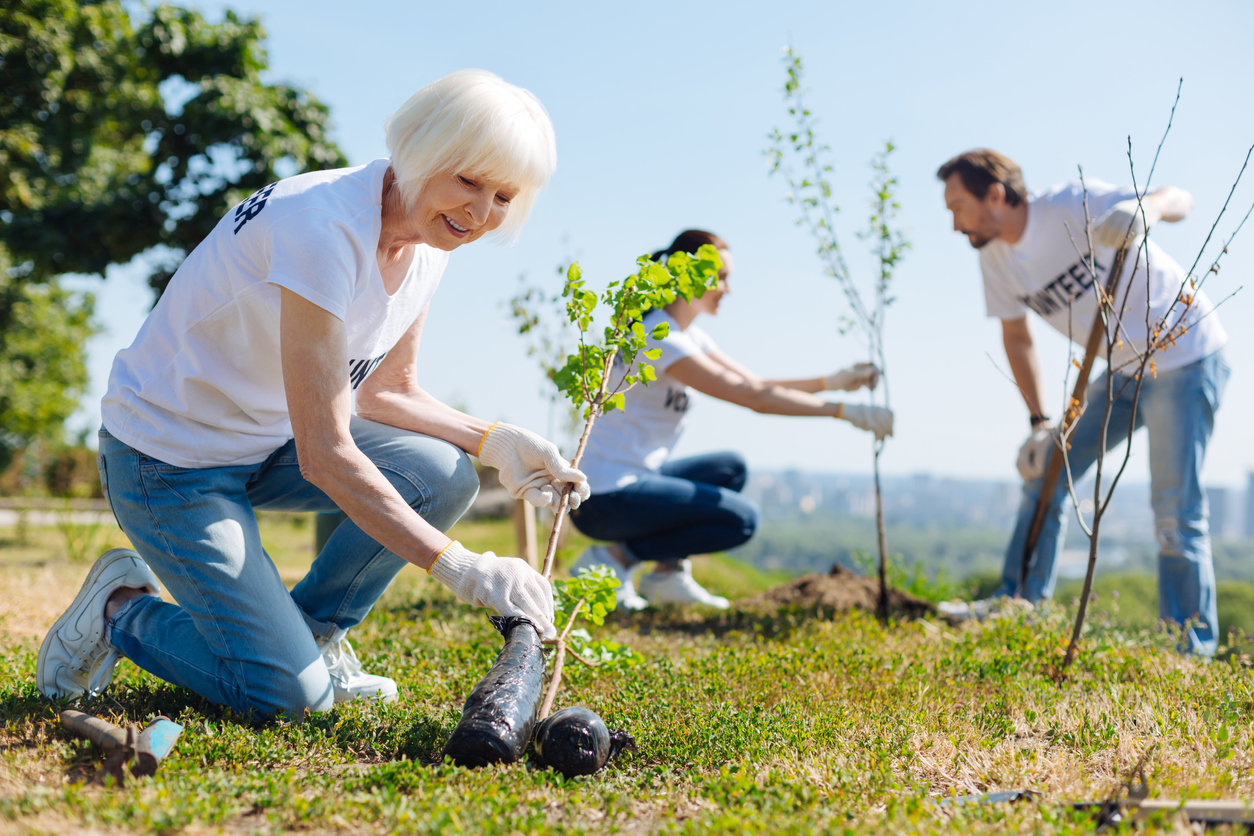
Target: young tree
(596,377)
(1108,333)
(803,161)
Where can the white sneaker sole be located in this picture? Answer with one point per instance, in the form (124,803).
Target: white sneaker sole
(73,619)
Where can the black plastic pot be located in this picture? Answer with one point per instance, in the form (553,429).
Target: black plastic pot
(575,741)
(500,712)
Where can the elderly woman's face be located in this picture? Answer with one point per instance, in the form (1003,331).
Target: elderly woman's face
(456,208)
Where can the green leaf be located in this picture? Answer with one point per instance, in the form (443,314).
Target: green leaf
(661,331)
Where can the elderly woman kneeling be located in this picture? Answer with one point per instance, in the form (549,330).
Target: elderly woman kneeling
(278,373)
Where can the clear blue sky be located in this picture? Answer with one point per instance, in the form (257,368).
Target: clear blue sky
(662,110)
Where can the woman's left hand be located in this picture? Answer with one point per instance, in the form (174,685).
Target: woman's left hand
(531,468)
(853,378)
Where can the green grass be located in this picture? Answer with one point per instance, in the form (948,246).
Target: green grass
(787,724)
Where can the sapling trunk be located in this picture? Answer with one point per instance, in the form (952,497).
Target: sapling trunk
(559,655)
(882,605)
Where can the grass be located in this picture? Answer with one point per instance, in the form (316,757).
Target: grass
(786,724)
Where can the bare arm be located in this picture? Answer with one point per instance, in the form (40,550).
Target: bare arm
(391,395)
(319,401)
(809,384)
(1024,363)
(716,380)
(1175,203)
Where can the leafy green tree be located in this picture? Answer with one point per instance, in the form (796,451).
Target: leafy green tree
(43,370)
(118,134)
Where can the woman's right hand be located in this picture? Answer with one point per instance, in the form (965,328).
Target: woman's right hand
(506,585)
(875,419)
(853,378)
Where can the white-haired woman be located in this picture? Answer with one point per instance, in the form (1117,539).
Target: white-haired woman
(278,372)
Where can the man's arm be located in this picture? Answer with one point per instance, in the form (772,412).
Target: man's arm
(319,401)
(1175,203)
(1024,363)
(391,395)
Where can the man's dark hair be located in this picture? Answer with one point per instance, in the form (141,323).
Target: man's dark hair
(981,168)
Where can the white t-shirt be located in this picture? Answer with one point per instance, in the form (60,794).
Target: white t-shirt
(202,385)
(626,444)
(1044,272)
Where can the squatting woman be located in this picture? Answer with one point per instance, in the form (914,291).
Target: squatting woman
(650,507)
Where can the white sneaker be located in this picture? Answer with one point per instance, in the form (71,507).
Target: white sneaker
(349,680)
(679,588)
(959,611)
(74,659)
(627,597)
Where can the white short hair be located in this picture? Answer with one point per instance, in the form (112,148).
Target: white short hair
(473,121)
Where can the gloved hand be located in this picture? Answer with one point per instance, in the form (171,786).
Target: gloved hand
(532,468)
(504,584)
(874,419)
(1110,229)
(852,378)
(1032,454)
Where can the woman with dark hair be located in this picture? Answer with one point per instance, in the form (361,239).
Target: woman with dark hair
(651,508)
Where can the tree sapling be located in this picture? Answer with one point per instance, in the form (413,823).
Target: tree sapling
(802,159)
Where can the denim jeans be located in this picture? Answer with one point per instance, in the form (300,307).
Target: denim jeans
(691,506)
(236,636)
(1178,410)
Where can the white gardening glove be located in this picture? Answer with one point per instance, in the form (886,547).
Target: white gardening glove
(532,468)
(504,584)
(1123,224)
(1032,454)
(853,378)
(874,419)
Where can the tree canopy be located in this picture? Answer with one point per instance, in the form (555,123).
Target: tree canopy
(121,134)
(117,136)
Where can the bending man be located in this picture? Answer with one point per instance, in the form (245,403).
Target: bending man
(1028,256)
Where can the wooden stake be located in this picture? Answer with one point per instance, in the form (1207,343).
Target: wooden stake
(1054,469)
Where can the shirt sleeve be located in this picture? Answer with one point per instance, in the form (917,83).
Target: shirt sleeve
(1000,301)
(1101,197)
(676,346)
(314,255)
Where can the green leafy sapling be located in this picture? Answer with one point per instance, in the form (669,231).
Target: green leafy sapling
(596,377)
(804,162)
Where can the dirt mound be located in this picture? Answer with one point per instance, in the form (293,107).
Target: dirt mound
(839,591)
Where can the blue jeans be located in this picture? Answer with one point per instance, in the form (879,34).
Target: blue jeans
(237,637)
(1178,410)
(691,506)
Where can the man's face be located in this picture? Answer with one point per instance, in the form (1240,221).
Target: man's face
(979,220)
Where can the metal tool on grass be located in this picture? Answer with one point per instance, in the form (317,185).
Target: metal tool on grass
(1054,469)
(144,750)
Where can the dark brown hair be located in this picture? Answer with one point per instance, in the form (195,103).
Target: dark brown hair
(981,168)
(690,240)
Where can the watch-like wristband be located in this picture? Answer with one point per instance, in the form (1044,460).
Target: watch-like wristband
(1036,420)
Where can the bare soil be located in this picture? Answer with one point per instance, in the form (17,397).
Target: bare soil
(838,591)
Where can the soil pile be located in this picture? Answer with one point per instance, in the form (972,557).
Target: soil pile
(839,591)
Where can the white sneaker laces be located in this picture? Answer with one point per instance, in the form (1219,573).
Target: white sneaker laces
(341,659)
